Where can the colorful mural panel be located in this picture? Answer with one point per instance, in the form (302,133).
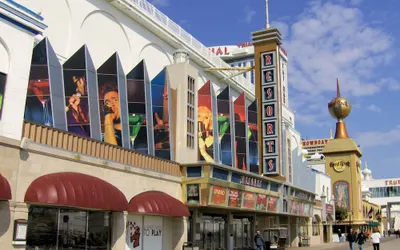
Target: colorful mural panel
(160,106)
(205,123)
(261,202)
(272,203)
(38,104)
(76,94)
(240,132)
(341,189)
(109,102)
(224,126)
(253,137)
(137,109)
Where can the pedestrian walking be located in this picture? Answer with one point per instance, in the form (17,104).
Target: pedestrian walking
(259,240)
(375,239)
(351,238)
(361,239)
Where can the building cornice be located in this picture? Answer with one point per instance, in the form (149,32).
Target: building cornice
(22,17)
(151,18)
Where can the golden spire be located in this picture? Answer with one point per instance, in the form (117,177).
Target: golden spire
(339,108)
(337,88)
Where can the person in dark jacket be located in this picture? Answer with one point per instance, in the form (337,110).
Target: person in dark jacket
(259,240)
(351,238)
(361,238)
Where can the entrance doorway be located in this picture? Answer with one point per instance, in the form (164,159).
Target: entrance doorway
(242,233)
(212,231)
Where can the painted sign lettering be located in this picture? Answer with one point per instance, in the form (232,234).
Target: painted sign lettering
(220,51)
(392,182)
(243,45)
(314,142)
(249,181)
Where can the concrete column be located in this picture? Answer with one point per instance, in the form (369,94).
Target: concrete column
(179,232)
(118,230)
(229,231)
(6,225)
(253,230)
(196,225)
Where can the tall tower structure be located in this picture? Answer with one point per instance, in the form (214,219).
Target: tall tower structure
(267,88)
(275,119)
(343,157)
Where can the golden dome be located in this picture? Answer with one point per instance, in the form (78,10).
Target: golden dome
(339,107)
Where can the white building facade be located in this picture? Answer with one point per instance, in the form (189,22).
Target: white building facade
(385,193)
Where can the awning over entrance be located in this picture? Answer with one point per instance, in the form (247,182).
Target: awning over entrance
(76,190)
(5,190)
(373,224)
(159,203)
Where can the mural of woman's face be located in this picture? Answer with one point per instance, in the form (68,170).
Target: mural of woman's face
(204,116)
(111,100)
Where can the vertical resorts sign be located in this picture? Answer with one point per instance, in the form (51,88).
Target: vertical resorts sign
(269,92)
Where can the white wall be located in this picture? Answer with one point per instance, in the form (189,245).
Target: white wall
(323,182)
(16,46)
(105,30)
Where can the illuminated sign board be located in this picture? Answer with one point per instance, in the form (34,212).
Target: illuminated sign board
(269,113)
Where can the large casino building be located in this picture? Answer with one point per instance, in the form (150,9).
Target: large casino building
(115,135)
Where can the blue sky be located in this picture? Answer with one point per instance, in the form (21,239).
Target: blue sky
(354,40)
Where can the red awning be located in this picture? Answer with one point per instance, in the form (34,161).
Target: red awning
(76,190)
(156,202)
(5,190)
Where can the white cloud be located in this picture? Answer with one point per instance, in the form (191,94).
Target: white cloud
(377,138)
(355,2)
(160,3)
(374,108)
(330,41)
(249,14)
(282,26)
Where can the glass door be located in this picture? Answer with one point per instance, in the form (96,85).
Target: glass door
(212,233)
(242,234)
(219,234)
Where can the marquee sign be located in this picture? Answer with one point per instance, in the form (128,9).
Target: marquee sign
(269,113)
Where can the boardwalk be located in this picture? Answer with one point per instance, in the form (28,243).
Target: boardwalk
(387,244)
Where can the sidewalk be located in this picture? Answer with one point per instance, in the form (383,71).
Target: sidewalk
(327,246)
(344,244)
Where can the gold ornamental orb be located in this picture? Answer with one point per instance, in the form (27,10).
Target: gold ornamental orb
(339,108)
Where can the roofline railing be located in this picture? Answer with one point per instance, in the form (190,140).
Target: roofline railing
(178,31)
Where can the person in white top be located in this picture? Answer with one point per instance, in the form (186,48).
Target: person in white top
(376,239)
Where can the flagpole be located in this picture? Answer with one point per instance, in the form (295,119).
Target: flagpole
(266,15)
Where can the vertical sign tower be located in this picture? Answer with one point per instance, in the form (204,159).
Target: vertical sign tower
(269,98)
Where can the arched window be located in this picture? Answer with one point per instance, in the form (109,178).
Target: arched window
(316,220)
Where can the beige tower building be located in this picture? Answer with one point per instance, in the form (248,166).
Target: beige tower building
(342,157)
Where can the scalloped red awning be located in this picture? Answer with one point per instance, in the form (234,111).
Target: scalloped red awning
(5,189)
(76,190)
(159,203)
